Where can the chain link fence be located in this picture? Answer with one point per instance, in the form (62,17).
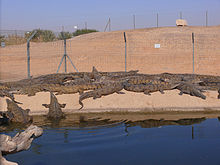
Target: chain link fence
(149,50)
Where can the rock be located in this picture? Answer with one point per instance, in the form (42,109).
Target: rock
(55,111)
(3,161)
(21,141)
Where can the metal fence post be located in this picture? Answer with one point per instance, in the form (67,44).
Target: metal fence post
(125,52)
(65,56)
(206,18)
(28,53)
(157,20)
(134,22)
(193,52)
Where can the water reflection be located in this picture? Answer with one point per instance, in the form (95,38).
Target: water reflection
(149,123)
(192,132)
(66,133)
(95,122)
(35,147)
(12,127)
(115,138)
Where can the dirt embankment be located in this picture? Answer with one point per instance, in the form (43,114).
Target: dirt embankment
(106,51)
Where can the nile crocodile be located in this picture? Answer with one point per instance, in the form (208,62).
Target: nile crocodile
(55,111)
(110,88)
(151,87)
(190,89)
(16,113)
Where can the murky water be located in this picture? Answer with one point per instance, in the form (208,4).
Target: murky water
(107,142)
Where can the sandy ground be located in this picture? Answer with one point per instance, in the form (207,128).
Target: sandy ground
(105,50)
(128,102)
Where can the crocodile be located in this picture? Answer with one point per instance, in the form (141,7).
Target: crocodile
(55,111)
(151,87)
(6,93)
(209,85)
(110,88)
(190,89)
(79,81)
(17,114)
(95,74)
(144,79)
(68,88)
(190,78)
(33,89)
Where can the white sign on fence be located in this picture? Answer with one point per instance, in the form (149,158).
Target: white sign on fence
(2,44)
(156,45)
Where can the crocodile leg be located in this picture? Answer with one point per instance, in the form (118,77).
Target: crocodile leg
(120,92)
(161,91)
(219,94)
(181,93)
(146,92)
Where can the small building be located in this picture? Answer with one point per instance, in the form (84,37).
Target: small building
(181,22)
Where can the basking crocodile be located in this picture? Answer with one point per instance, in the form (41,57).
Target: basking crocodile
(144,79)
(209,85)
(58,89)
(16,113)
(95,74)
(79,81)
(151,87)
(6,93)
(68,88)
(31,90)
(110,88)
(55,111)
(190,89)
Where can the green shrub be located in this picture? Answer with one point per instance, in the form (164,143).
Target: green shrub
(48,35)
(83,31)
(14,40)
(2,38)
(41,35)
(66,35)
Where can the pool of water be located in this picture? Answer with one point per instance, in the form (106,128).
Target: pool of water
(153,142)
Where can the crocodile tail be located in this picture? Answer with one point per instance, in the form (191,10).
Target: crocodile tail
(85,96)
(80,102)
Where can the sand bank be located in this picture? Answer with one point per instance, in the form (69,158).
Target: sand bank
(128,102)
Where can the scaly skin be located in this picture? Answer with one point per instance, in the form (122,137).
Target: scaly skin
(190,89)
(145,79)
(150,87)
(114,87)
(16,113)
(70,83)
(55,111)
(5,93)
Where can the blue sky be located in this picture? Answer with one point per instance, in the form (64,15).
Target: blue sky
(53,14)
